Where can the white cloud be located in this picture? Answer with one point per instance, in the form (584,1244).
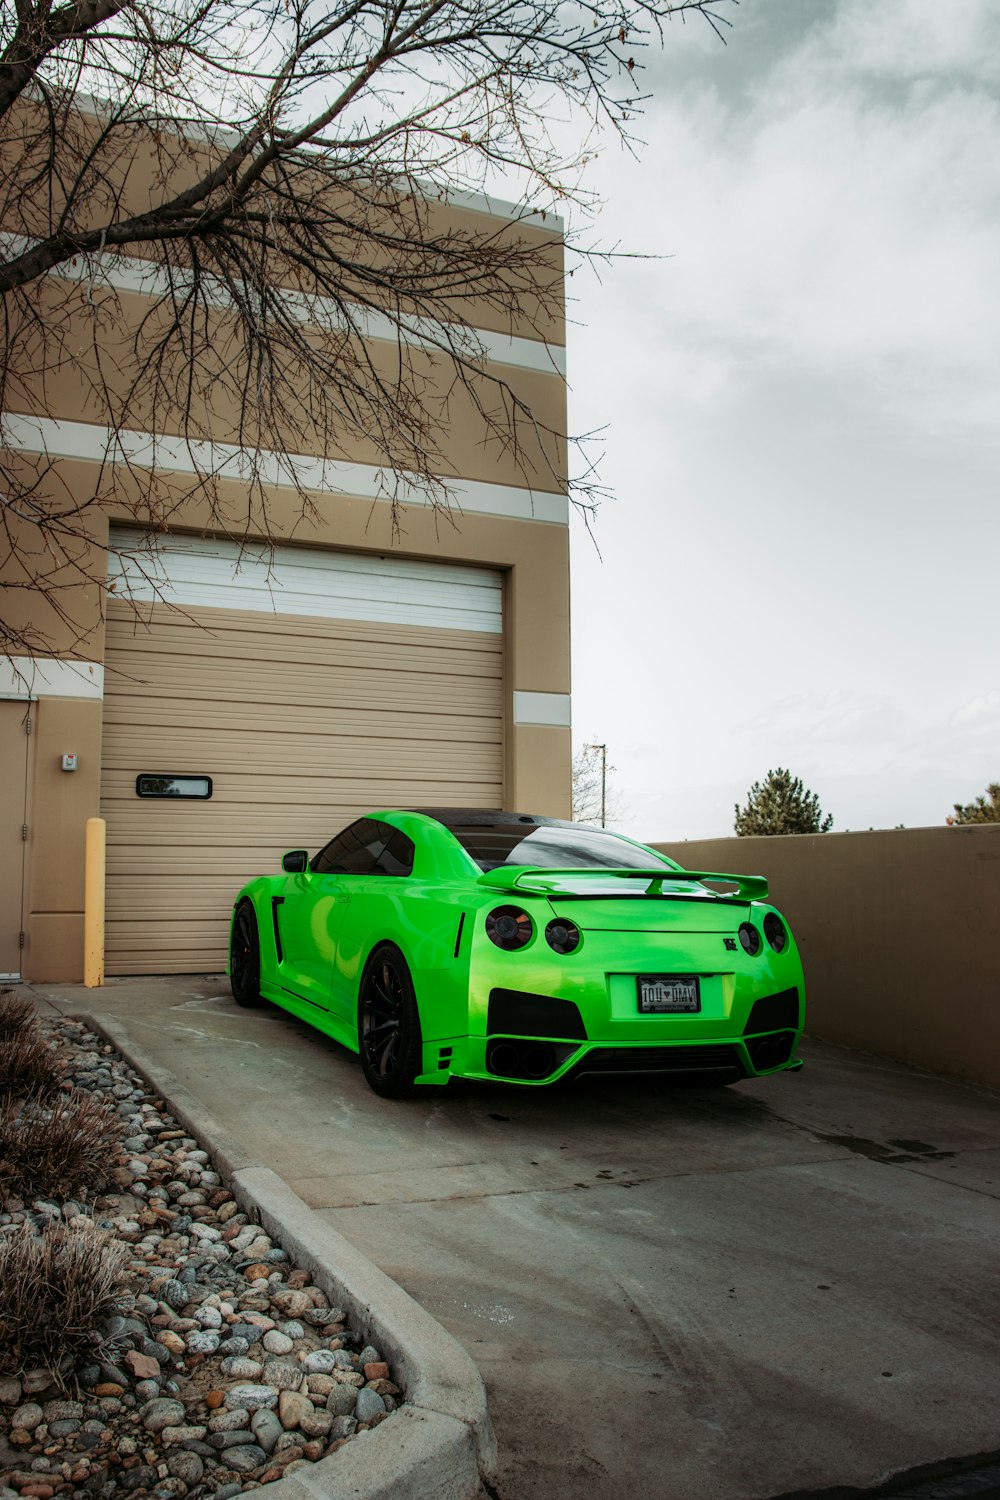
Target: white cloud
(803,438)
(915,38)
(981,712)
(830,221)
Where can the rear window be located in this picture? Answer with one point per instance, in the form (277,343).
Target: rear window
(555,847)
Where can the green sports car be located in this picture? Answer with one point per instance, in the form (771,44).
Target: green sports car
(451,943)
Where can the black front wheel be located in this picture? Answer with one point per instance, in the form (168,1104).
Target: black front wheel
(244,956)
(389,1039)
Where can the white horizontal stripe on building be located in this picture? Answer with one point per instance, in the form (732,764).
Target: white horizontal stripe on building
(551,710)
(26,677)
(146,450)
(497,208)
(129,273)
(289,580)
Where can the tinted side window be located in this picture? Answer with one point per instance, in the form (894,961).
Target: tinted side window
(397,856)
(366,848)
(350,853)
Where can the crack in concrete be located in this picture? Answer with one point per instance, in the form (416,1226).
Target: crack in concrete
(571,1187)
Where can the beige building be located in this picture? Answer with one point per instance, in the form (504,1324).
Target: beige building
(339,668)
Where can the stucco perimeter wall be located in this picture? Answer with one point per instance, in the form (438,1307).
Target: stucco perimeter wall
(899,932)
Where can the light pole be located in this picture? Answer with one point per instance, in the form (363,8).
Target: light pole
(604,777)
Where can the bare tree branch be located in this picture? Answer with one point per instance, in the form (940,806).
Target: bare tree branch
(596,797)
(266,178)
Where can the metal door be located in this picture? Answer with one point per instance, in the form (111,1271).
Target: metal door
(14,728)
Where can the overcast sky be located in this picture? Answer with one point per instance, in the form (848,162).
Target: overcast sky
(800,565)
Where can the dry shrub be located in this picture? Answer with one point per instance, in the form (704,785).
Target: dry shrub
(57,1291)
(16,1014)
(57,1145)
(27,1064)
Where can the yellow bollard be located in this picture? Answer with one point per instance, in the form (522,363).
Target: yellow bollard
(93,905)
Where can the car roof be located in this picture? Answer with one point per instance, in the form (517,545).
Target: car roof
(484,817)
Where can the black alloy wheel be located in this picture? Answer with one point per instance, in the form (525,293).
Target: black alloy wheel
(244,956)
(389,1039)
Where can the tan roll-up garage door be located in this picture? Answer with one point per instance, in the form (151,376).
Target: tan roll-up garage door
(309,686)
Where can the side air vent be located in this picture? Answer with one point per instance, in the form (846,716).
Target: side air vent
(774,1013)
(519,1013)
(513,1057)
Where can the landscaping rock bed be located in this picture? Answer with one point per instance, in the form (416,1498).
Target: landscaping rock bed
(224,1366)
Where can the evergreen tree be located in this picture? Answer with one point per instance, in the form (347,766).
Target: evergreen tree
(983,810)
(781,804)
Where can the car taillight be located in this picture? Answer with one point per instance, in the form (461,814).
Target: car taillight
(774,931)
(509,927)
(750,938)
(562,936)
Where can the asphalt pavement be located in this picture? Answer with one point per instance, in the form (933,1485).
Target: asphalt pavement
(787,1286)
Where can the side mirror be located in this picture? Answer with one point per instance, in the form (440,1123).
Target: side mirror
(296,862)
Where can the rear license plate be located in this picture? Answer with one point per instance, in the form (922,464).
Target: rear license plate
(668,994)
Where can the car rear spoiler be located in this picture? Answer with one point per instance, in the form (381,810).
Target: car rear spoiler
(537,880)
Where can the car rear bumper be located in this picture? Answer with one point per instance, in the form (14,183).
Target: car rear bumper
(538,1061)
(535,1018)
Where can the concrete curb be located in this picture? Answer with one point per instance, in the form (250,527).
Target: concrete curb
(440,1445)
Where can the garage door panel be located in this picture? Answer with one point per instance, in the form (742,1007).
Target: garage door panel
(351,758)
(306,786)
(268,833)
(302,827)
(323,701)
(138,664)
(331,692)
(379,770)
(183,950)
(290,827)
(132,736)
(303,721)
(233,633)
(174,900)
(295,580)
(301,749)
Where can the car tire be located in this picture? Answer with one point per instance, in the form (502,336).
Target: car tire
(389,1038)
(244,956)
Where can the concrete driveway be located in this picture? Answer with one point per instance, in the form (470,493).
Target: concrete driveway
(785,1286)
